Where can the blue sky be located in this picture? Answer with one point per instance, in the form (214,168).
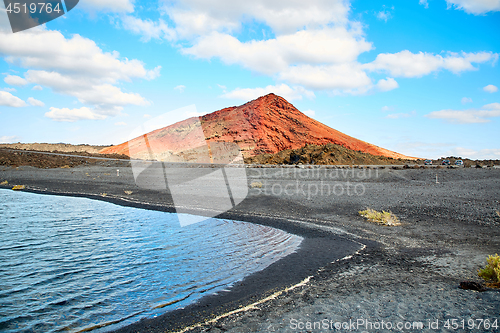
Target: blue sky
(414,76)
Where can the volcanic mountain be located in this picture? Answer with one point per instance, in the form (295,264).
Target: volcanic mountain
(268,124)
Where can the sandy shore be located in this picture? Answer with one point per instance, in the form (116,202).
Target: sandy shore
(398,275)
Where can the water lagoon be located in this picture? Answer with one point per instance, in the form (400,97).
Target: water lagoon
(68,264)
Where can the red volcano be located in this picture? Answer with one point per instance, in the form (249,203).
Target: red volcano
(268,124)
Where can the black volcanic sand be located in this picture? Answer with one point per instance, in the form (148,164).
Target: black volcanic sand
(407,273)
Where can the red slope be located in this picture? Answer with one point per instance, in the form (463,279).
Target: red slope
(268,124)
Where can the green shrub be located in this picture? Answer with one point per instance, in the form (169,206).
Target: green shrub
(491,272)
(383,217)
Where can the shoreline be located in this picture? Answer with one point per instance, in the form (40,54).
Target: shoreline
(448,230)
(325,244)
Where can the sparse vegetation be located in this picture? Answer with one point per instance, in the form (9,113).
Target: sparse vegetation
(498,213)
(383,217)
(256,184)
(128,192)
(7,183)
(329,154)
(18,187)
(491,272)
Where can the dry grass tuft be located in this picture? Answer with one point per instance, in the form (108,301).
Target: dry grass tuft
(19,187)
(256,184)
(128,192)
(383,217)
(4,183)
(491,272)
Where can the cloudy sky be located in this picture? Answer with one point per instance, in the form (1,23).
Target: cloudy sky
(420,77)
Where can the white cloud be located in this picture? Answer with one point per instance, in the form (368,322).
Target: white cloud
(75,66)
(317,32)
(490,88)
(347,76)
(313,44)
(37,88)
(424,3)
(149,29)
(14,80)
(7,99)
(35,102)
(400,115)
(407,64)
(9,89)
(437,150)
(329,45)
(147,116)
(283,90)
(476,7)
(482,154)
(121,123)
(471,116)
(153,74)
(197,17)
(72,115)
(492,106)
(8,139)
(466,100)
(313,35)
(180,88)
(90,91)
(387,108)
(50,50)
(110,6)
(310,113)
(384,15)
(387,84)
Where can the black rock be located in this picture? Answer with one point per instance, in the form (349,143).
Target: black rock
(471,285)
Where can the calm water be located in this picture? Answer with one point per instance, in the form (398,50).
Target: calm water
(68,264)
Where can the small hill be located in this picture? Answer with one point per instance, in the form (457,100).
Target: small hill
(266,125)
(329,154)
(53,147)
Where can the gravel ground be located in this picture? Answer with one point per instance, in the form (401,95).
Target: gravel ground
(403,275)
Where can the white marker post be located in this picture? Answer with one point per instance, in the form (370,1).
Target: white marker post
(117,172)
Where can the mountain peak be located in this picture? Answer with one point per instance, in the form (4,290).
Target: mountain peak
(267,100)
(270,95)
(272,98)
